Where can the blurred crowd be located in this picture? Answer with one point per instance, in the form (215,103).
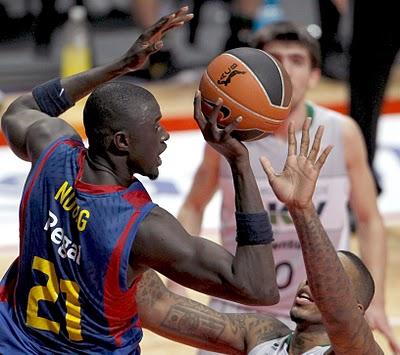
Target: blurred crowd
(224,24)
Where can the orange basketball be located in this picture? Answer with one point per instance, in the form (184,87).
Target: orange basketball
(252,84)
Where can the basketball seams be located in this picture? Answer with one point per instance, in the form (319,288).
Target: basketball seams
(272,121)
(280,74)
(258,80)
(253,75)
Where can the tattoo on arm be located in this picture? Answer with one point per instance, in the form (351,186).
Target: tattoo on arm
(190,322)
(182,319)
(195,323)
(330,285)
(150,289)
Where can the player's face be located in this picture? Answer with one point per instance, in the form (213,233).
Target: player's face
(148,144)
(304,309)
(296,60)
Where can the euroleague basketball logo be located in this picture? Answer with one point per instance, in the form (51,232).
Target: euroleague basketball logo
(226,77)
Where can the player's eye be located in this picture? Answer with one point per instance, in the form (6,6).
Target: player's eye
(298,60)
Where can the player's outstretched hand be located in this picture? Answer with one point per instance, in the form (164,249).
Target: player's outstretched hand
(150,41)
(296,184)
(219,138)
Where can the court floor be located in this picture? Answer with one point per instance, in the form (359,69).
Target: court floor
(176,104)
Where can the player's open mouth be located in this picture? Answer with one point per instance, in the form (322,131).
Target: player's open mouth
(159,161)
(303,298)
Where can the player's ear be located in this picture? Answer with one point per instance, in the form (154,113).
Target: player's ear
(361,308)
(121,141)
(315,76)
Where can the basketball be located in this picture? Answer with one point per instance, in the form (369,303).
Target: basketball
(252,84)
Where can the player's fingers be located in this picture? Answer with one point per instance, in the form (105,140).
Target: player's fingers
(268,169)
(183,10)
(230,127)
(198,114)
(175,18)
(164,22)
(152,48)
(157,27)
(305,137)
(183,17)
(177,22)
(171,26)
(316,144)
(322,158)
(215,112)
(292,142)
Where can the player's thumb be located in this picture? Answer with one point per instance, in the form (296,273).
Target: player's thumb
(267,167)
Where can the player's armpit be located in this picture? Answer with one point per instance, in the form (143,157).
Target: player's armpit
(186,321)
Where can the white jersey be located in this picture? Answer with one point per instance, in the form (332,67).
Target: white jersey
(280,346)
(330,199)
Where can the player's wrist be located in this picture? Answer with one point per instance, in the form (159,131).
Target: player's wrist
(253,228)
(240,164)
(52,98)
(304,208)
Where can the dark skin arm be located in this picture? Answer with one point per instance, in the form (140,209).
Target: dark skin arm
(164,245)
(29,131)
(330,286)
(189,322)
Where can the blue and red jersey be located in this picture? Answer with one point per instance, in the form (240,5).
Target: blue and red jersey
(68,292)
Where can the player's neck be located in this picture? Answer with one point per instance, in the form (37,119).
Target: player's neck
(297,115)
(305,338)
(99,170)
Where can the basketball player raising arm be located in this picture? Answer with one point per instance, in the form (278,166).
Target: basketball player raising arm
(160,242)
(326,324)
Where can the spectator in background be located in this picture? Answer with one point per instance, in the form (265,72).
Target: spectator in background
(44,26)
(243,18)
(375,43)
(333,57)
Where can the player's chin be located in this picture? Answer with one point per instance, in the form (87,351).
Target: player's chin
(301,313)
(153,175)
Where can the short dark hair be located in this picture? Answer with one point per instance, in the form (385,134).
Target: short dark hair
(288,31)
(111,107)
(364,283)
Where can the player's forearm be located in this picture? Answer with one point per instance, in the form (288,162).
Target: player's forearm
(254,251)
(331,288)
(75,87)
(328,281)
(253,271)
(247,194)
(194,324)
(373,250)
(186,321)
(80,85)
